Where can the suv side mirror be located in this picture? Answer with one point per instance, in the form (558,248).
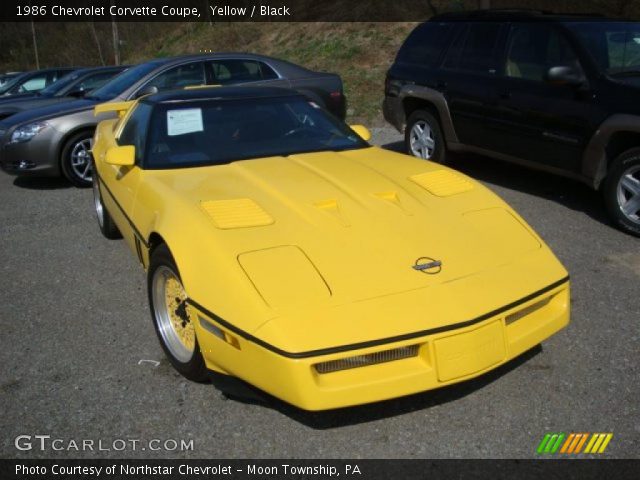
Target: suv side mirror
(565,75)
(148,90)
(123,156)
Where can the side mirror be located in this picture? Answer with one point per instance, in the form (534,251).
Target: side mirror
(565,75)
(362,131)
(148,90)
(124,156)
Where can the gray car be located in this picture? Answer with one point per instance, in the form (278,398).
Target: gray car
(73,85)
(56,139)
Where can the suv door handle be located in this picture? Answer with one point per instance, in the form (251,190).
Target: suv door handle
(504,95)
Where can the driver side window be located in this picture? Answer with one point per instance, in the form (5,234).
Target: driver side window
(533,49)
(134,131)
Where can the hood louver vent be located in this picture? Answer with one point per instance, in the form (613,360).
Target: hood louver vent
(236,213)
(442,183)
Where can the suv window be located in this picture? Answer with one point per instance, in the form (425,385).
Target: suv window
(180,76)
(425,44)
(133,132)
(475,49)
(532,49)
(239,71)
(615,46)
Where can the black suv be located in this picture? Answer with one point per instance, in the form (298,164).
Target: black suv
(554,92)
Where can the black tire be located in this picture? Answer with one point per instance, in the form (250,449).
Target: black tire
(73,146)
(105,222)
(194,368)
(438,152)
(626,164)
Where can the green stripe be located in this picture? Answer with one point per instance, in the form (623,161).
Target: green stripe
(543,443)
(558,443)
(550,443)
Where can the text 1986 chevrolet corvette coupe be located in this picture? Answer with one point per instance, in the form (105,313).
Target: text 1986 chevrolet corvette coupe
(284,250)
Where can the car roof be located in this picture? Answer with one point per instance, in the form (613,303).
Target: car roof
(218,93)
(514,15)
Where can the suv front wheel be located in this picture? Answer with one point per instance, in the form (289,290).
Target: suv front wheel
(423,137)
(622,191)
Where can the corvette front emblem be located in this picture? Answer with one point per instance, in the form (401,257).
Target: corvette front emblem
(428,265)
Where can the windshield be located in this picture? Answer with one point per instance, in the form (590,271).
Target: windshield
(119,84)
(214,132)
(58,85)
(10,84)
(615,46)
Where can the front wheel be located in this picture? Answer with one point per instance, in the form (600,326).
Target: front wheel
(76,161)
(171,317)
(423,137)
(622,192)
(105,222)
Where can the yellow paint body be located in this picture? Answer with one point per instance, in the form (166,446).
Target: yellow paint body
(309,258)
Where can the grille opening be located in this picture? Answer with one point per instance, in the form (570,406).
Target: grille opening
(509,319)
(367,359)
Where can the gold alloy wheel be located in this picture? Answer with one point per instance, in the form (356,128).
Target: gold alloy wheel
(172,314)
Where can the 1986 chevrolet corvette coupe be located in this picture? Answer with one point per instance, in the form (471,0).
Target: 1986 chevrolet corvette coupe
(284,250)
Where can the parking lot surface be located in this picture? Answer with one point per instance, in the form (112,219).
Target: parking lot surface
(80,359)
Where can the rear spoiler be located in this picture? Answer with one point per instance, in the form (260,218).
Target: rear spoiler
(119,107)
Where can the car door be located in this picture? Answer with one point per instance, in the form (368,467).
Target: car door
(543,122)
(228,71)
(468,80)
(122,181)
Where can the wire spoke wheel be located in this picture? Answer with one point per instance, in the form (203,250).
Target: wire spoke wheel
(172,315)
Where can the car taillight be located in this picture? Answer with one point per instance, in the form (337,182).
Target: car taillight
(335,95)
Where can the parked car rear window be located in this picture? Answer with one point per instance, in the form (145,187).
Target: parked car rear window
(235,70)
(475,49)
(425,44)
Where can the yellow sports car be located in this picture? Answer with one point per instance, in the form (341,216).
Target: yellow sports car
(284,250)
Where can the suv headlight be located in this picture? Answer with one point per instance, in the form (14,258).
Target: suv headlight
(27,132)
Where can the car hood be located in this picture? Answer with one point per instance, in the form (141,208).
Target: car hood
(23,104)
(47,111)
(350,225)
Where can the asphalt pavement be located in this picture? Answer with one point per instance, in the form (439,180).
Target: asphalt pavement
(80,360)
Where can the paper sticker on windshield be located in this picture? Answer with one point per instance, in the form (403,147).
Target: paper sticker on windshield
(180,122)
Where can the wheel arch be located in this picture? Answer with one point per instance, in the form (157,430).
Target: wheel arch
(65,139)
(417,97)
(616,135)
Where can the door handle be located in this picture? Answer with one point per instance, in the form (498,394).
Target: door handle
(504,95)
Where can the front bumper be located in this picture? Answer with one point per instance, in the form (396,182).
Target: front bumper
(35,157)
(441,358)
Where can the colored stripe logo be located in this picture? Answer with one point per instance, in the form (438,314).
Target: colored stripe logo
(574,443)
